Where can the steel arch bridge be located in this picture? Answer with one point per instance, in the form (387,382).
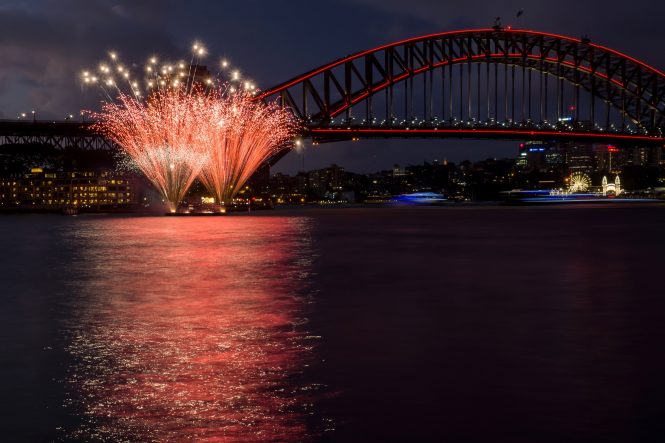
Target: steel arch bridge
(484,83)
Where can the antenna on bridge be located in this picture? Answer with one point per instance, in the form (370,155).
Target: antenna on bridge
(497,24)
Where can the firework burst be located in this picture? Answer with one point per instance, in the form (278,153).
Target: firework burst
(185,123)
(244,133)
(162,136)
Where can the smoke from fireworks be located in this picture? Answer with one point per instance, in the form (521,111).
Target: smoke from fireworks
(189,123)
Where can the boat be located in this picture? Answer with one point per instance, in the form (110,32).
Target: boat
(421,198)
(545,196)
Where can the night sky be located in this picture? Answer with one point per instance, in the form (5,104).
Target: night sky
(44,45)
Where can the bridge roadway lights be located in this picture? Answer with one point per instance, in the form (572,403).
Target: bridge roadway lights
(340,134)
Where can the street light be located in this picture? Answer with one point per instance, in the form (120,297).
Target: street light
(299,144)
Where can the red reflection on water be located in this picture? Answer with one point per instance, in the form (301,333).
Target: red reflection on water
(192,329)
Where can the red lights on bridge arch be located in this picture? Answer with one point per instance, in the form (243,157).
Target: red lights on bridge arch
(401,77)
(538,51)
(317,71)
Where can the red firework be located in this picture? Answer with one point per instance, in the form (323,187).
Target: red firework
(188,128)
(242,135)
(162,136)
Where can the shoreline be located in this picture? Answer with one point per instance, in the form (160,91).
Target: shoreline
(333,207)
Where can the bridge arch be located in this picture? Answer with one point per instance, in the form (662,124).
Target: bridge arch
(495,82)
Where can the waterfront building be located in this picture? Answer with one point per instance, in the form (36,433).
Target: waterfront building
(87,190)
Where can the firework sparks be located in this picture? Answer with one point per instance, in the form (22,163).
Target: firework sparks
(244,133)
(162,136)
(189,124)
(114,77)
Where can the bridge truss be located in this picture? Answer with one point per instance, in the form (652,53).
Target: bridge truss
(485,83)
(58,134)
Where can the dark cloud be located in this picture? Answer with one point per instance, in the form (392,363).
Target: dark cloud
(44,49)
(44,44)
(634,27)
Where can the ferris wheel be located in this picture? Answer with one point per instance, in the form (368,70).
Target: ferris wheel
(579,182)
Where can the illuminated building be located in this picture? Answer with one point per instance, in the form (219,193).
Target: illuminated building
(540,156)
(651,156)
(555,157)
(579,156)
(569,157)
(399,172)
(86,190)
(328,180)
(521,161)
(608,158)
(612,188)
(532,156)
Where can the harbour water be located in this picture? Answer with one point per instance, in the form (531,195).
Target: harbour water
(424,324)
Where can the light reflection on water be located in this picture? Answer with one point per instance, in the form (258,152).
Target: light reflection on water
(191,329)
